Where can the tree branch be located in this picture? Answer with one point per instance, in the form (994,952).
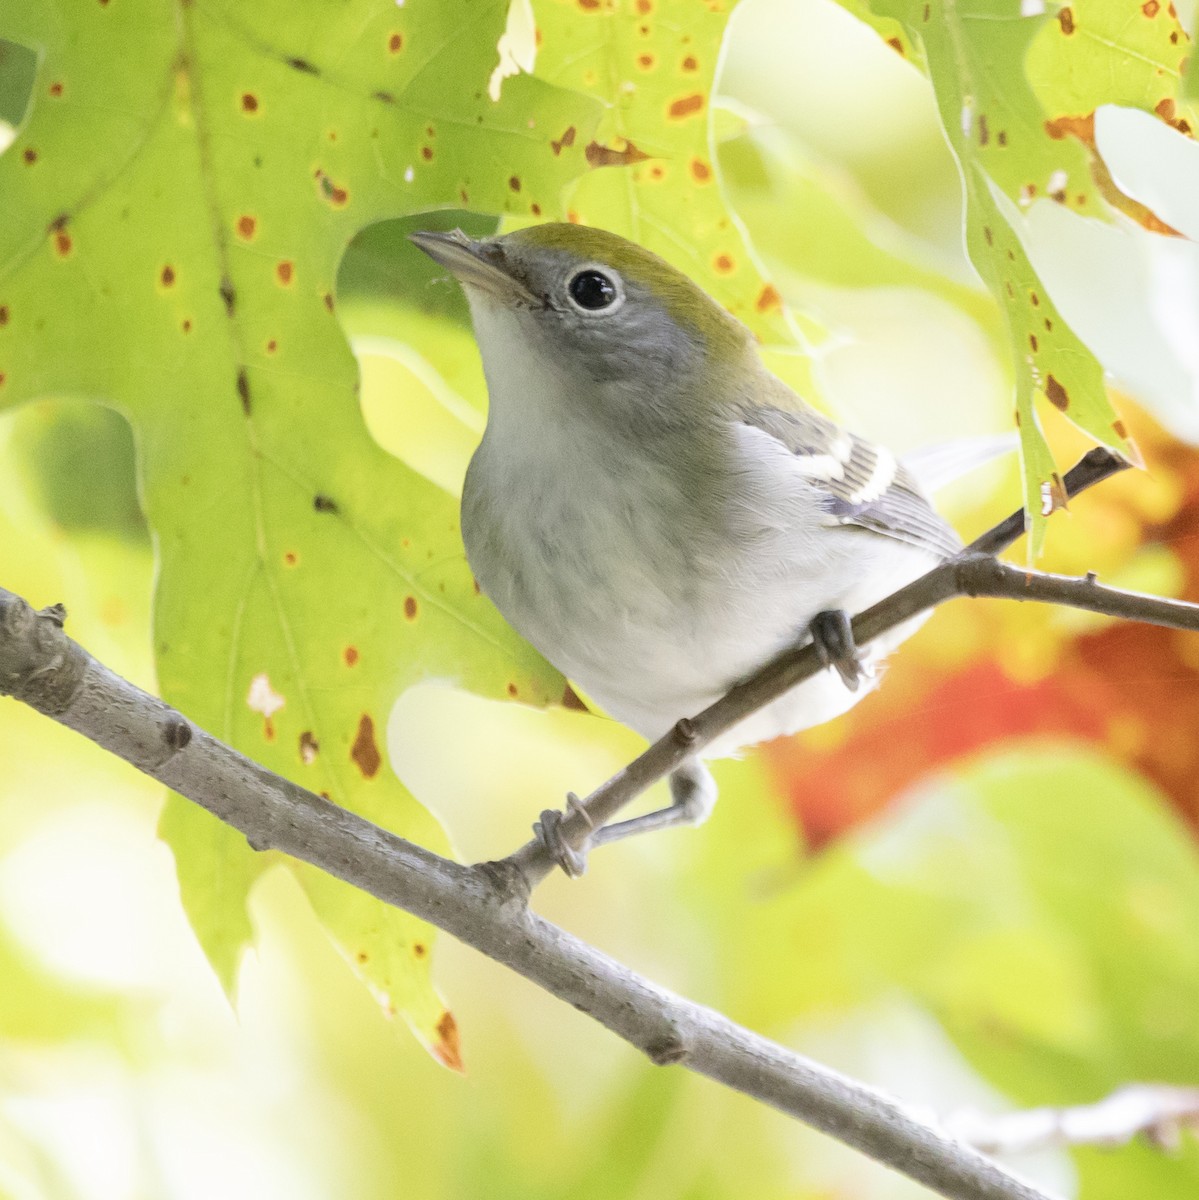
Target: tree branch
(967,574)
(483,906)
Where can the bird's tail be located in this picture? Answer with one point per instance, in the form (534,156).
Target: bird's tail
(940,464)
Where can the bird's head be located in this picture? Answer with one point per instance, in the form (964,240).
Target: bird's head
(601,313)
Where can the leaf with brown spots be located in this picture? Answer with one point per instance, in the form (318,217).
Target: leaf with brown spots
(653,65)
(1133,55)
(994,73)
(1104,56)
(173,253)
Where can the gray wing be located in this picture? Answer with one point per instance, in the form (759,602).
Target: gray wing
(862,485)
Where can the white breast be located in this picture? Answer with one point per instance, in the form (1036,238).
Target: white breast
(591,553)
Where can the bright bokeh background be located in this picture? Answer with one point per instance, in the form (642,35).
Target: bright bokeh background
(978,890)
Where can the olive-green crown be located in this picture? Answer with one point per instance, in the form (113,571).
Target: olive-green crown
(685,301)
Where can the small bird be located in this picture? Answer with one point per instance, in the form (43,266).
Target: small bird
(656,512)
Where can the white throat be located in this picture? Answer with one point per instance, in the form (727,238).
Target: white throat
(525,387)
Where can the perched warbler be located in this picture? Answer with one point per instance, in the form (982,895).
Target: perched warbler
(657,513)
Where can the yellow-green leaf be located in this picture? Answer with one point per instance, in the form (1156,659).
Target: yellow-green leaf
(654,63)
(176,202)
(1017,95)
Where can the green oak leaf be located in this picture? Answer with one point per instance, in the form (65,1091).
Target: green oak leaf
(1017,96)
(1100,52)
(176,203)
(654,63)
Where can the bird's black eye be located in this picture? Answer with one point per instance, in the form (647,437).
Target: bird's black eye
(592,290)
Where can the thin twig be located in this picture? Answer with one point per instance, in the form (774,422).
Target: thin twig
(1094,467)
(483,906)
(982,575)
(1159,1112)
(801,662)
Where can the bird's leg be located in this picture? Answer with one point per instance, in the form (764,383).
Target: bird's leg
(693,793)
(692,788)
(832,635)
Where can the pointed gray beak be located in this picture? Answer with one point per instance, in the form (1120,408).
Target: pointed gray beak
(480,265)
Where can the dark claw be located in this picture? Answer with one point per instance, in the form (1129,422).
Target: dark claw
(832,635)
(549,833)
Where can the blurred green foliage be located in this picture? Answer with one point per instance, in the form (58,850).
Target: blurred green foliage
(60,445)
(18,66)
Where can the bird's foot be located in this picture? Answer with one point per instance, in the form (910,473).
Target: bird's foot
(693,793)
(832,635)
(548,831)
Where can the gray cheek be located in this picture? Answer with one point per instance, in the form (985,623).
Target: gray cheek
(634,346)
